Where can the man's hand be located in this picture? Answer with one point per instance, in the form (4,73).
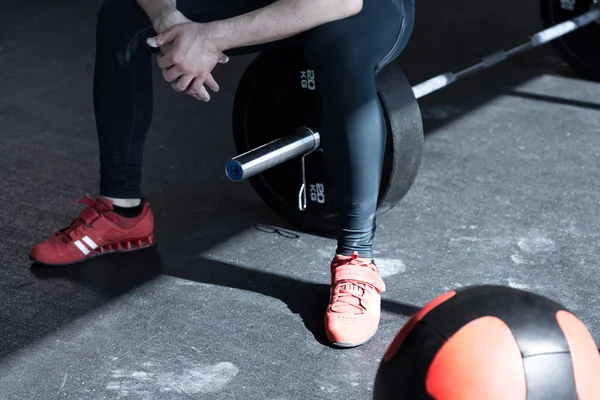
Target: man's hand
(189,63)
(167,20)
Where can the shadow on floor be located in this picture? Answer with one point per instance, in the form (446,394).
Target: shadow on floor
(306,299)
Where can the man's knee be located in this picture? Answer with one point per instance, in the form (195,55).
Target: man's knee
(340,63)
(321,47)
(121,14)
(344,81)
(113,9)
(122,28)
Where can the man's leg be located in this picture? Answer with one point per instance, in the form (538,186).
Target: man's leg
(119,219)
(346,56)
(123,97)
(123,100)
(123,107)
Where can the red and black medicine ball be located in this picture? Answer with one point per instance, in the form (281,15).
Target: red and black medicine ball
(491,343)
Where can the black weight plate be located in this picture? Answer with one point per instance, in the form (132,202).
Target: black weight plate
(579,49)
(277,95)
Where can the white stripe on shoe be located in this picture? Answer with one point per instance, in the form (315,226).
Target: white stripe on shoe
(82,247)
(90,243)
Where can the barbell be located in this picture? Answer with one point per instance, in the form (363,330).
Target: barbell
(276,117)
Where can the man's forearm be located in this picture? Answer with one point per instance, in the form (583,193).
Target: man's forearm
(280,20)
(157,8)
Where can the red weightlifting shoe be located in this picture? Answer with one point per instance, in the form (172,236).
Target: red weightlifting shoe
(97,231)
(353,314)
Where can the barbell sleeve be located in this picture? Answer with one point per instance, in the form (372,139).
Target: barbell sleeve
(255,161)
(305,140)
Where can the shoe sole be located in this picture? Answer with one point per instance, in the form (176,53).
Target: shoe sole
(348,345)
(127,246)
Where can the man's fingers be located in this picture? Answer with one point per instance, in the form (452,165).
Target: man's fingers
(171,74)
(195,87)
(194,95)
(182,83)
(198,96)
(165,62)
(204,94)
(211,83)
(197,90)
(167,36)
(166,48)
(223,59)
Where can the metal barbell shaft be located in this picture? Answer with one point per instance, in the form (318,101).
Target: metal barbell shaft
(305,140)
(255,161)
(547,35)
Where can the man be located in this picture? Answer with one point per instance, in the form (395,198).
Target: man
(346,42)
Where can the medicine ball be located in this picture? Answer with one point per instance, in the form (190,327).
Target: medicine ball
(490,343)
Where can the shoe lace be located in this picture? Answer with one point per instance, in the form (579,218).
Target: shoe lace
(65,233)
(350,293)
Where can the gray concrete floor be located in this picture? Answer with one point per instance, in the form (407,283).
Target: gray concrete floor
(507,194)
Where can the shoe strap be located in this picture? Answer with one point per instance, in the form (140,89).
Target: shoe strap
(89,215)
(358,274)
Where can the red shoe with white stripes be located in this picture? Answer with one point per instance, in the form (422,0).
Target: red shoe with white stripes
(97,231)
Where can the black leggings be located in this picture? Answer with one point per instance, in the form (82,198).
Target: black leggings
(346,56)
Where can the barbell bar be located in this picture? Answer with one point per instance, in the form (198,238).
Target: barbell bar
(306,140)
(303,141)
